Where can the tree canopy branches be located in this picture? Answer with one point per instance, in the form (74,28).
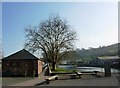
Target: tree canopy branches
(53,36)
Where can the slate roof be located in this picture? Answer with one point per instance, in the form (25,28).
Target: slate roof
(108,57)
(22,55)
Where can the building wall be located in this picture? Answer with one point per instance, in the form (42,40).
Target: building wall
(39,66)
(21,67)
(13,68)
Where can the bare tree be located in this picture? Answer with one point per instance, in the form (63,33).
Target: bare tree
(53,36)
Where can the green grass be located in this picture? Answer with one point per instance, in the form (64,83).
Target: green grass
(13,80)
(63,70)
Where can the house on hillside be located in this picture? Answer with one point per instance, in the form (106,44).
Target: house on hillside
(21,63)
(111,59)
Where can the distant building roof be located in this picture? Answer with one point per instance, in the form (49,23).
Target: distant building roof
(22,54)
(108,57)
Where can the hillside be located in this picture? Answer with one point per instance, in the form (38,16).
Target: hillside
(86,55)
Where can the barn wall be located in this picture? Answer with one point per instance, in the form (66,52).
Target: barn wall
(39,66)
(14,67)
(20,68)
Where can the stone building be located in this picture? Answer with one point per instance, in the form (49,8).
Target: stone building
(21,63)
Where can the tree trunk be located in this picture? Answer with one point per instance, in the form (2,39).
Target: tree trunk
(53,66)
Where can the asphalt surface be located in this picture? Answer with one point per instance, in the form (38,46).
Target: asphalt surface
(86,80)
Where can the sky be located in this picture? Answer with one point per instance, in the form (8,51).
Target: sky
(96,23)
